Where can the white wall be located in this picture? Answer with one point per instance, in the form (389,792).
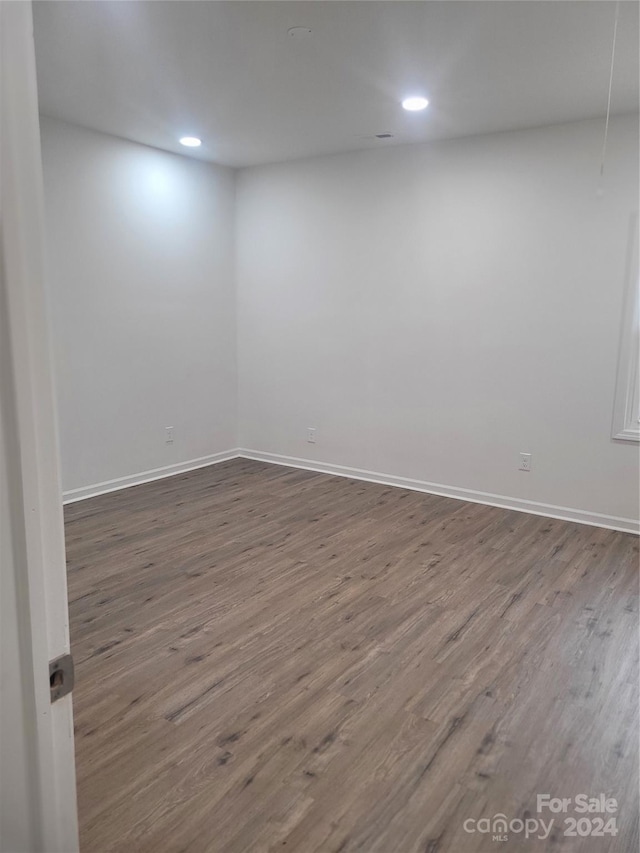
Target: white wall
(141,281)
(433,310)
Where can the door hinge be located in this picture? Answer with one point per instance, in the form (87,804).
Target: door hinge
(61,677)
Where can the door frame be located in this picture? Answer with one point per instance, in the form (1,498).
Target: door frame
(32,461)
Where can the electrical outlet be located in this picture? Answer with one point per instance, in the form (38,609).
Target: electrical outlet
(311,435)
(168,435)
(525,462)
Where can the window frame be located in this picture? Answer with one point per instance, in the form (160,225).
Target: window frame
(626,409)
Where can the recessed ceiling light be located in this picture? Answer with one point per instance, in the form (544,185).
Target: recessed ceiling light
(191,141)
(415,104)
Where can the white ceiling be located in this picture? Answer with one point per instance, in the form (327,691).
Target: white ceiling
(229,73)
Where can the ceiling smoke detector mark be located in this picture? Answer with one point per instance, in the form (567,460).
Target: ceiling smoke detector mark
(371,137)
(299,32)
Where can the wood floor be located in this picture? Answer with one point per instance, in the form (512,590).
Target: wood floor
(271,660)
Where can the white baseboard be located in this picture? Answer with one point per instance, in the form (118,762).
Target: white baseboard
(595,519)
(147,476)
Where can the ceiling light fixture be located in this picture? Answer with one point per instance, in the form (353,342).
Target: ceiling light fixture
(191,141)
(415,103)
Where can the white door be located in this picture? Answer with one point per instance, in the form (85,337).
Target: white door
(37,776)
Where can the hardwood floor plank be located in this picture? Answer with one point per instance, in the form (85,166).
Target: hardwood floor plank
(270,659)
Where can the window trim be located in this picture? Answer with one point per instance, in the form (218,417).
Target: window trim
(626,403)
